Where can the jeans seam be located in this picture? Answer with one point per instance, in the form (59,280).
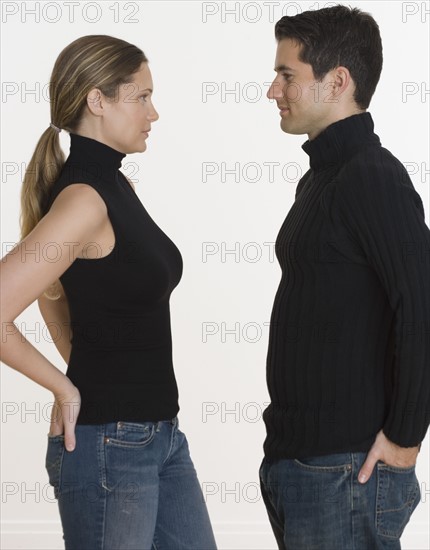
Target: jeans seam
(57,468)
(172,440)
(101,453)
(333,469)
(102,472)
(353,463)
(154,546)
(113,441)
(60,468)
(379,513)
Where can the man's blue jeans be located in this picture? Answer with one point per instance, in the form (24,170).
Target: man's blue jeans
(128,486)
(317,503)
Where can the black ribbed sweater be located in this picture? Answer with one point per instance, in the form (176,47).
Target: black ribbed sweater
(349,343)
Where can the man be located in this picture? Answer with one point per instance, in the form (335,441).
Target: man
(348,364)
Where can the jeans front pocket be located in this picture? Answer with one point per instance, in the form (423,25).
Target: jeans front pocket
(339,462)
(129,457)
(397,495)
(131,434)
(54,461)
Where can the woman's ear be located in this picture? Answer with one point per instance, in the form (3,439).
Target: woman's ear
(95,101)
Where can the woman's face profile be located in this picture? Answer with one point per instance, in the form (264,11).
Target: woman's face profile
(124,121)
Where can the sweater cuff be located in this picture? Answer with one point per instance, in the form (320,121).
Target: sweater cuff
(407,427)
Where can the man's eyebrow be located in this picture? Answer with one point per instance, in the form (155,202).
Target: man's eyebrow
(283,68)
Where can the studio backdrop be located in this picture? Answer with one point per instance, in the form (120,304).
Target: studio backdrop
(219,177)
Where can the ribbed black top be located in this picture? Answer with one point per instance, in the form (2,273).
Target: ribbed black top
(349,344)
(121,357)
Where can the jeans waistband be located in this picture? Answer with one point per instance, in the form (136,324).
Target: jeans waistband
(173,421)
(157,423)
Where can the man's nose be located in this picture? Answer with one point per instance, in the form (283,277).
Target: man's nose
(275,91)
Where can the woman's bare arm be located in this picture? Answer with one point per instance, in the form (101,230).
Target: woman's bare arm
(75,218)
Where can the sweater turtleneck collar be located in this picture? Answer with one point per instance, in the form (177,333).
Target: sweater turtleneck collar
(93,155)
(336,143)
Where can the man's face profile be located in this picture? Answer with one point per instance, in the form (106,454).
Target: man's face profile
(306,105)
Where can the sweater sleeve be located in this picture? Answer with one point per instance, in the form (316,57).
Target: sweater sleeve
(384,214)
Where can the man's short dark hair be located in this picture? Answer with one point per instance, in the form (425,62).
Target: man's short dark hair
(338,36)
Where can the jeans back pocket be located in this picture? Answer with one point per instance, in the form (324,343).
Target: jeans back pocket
(397,495)
(54,460)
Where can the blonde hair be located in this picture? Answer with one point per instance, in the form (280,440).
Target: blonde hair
(97,60)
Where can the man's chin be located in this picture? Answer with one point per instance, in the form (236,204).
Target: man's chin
(290,129)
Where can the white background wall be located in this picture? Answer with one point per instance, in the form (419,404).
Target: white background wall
(221,375)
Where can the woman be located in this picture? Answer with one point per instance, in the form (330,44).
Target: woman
(119,465)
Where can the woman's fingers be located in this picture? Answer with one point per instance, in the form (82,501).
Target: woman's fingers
(69,405)
(56,427)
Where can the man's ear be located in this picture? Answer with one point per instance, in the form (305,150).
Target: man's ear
(340,80)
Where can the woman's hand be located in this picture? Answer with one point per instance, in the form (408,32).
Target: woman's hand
(64,415)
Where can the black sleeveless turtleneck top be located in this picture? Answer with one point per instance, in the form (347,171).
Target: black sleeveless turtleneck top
(121,357)
(349,343)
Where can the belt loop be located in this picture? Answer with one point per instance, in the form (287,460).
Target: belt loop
(157,427)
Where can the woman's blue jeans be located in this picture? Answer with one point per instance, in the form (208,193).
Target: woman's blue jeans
(128,486)
(317,503)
